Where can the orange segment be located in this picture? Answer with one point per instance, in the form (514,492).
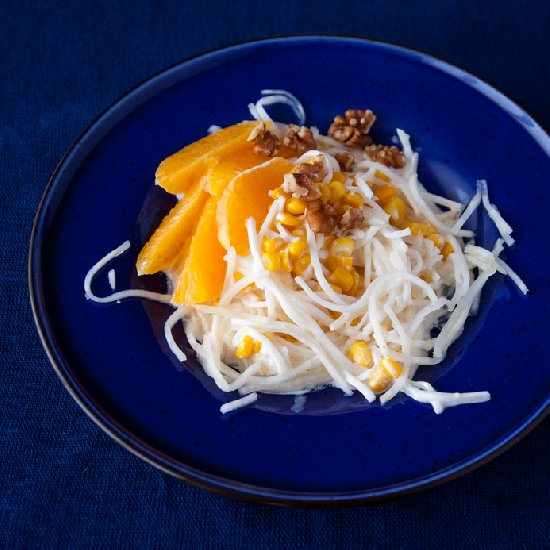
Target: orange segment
(182,169)
(247,196)
(219,175)
(166,243)
(203,273)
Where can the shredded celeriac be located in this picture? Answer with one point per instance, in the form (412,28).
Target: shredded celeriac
(305,327)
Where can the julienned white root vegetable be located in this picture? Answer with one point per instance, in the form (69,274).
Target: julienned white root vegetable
(303,342)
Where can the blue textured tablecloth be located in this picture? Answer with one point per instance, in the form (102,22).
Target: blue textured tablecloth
(63,482)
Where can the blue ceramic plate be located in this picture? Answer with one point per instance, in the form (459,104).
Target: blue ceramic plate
(336,450)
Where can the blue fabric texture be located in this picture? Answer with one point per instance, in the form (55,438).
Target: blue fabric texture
(63,482)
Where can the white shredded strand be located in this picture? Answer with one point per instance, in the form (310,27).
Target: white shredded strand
(441,400)
(513,275)
(363,389)
(122,294)
(176,316)
(468,211)
(111,276)
(501,224)
(271,97)
(304,327)
(239,403)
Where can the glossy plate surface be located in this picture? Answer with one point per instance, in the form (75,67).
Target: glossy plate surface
(112,363)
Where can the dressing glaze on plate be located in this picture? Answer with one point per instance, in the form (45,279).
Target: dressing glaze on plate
(335,449)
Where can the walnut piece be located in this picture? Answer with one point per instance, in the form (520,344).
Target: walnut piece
(353,128)
(345,160)
(321,216)
(290,185)
(313,192)
(265,143)
(351,218)
(315,169)
(389,156)
(299,139)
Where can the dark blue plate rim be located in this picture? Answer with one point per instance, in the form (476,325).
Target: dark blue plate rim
(174,467)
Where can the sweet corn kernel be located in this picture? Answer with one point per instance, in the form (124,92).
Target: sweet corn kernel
(295,206)
(271,244)
(391,366)
(382,176)
(360,353)
(384,374)
(300,232)
(301,264)
(379,380)
(342,246)
(277,193)
(272,261)
(325,192)
(342,278)
(422,229)
(384,193)
(297,248)
(336,288)
(257,347)
(395,207)
(354,199)
(288,219)
(246,347)
(338,176)
(332,262)
(337,190)
(356,281)
(286,263)
(447,249)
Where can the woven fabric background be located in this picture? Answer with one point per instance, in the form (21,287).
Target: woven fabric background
(63,482)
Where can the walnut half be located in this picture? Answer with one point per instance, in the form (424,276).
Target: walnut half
(353,128)
(299,139)
(389,156)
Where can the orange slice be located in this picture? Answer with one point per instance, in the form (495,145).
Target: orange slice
(179,171)
(167,242)
(203,273)
(247,196)
(219,175)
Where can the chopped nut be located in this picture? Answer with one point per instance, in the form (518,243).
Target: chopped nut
(345,160)
(358,140)
(362,120)
(389,156)
(351,218)
(299,138)
(315,206)
(315,169)
(313,191)
(321,216)
(353,128)
(265,143)
(318,222)
(329,209)
(290,185)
